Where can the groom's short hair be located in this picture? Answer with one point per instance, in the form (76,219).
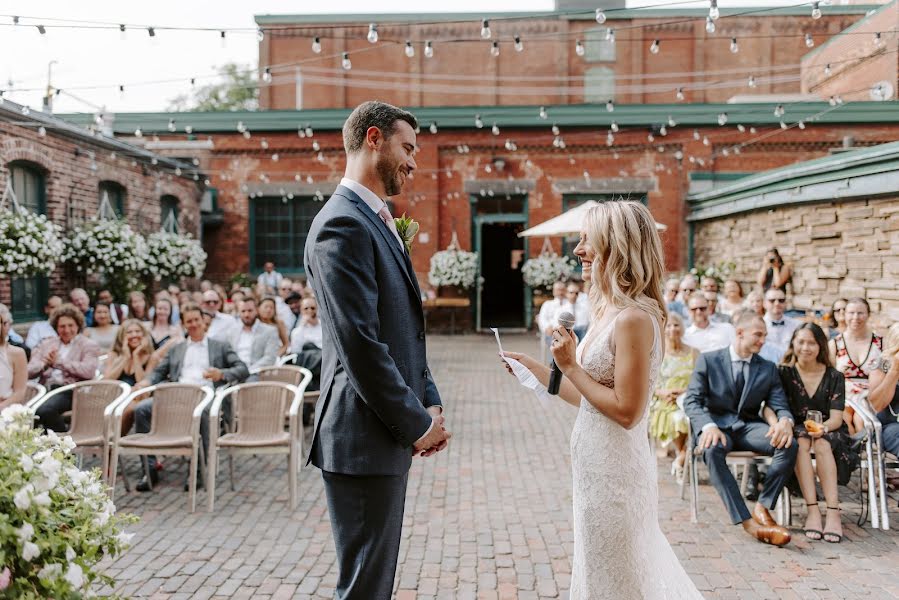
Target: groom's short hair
(373,114)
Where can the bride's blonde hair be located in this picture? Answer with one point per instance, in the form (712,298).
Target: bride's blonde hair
(629,266)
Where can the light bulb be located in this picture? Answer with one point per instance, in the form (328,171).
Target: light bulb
(42,131)
(267,75)
(429,49)
(751,81)
(518,45)
(222,38)
(722,118)
(709,25)
(650,138)
(654,47)
(579,48)
(317,45)
(600,16)
(877,39)
(309,132)
(680,94)
(809,42)
(410,49)
(555,129)
(188,129)
(801,124)
(779,110)
(663,130)
(827,70)
(714,13)
(260,35)
(671,121)
(485,29)
(614,127)
(433,127)
(171,126)
(478,122)
(753,130)
(816,10)
(610,35)
(610,106)
(705,141)
(372,36)
(138,133)
(41,29)
(610,139)
(832,101)
(783,125)
(696,135)
(494,49)
(345,62)
(741,128)
(122,31)
(494,130)
(151,32)
(734,48)
(543,114)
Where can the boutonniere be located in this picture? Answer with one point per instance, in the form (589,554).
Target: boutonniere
(407,228)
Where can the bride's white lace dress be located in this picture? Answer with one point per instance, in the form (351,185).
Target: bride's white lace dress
(620,552)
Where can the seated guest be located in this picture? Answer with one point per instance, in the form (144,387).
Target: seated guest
(42,329)
(222,325)
(173,302)
(856,353)
(59,361)
(199,360)
(671,302)
(724,403)
(308,330)
(103,331)
(132,357)
(884,394)
(708,284)
(667,422)
(688,286)
(812,384)
(13,365)
(82,301)
(269,279)
(163,331)
(580,310)
(835,320)
(714,315)
(255,342)
(547,318)
(137,307)
(780,327)
(267,312)
(733,298)
(287,303)
(755,302)
(117,312)
(703,334)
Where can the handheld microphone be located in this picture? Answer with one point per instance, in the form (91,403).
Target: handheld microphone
(566,320)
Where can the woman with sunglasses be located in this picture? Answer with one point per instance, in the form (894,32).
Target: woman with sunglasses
(856,353)
(835,320)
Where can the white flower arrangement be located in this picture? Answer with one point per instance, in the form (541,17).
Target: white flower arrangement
(110,248)
(453,267)
(173,256)
(546,269)
(721,272)
(56,521)
(30,244)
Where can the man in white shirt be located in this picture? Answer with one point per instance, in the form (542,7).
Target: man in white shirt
(222,325)
(714,315)
(580,310)
(780,327)
(547,318)
(255,342)
(42,329)
(308,329)
(703,334)
(269,279)
(283,307)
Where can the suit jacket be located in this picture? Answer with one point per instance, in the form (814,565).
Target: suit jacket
(711,396)
(375,382)
(221,356)
(266,344)
(80,364)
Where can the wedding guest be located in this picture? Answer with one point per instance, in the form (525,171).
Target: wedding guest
(166,295)
(163,331)
(306,343)
(755,301)
(733,297)
(132,357)
(255,342)
(835,320)
(137,307)
(103,331)
(269,279)
(703,334)
(547,318)
(82,301)
(282,303)
(59,361)
(222,325)
(856,353)
(268,314)
(205,285)
(780,327)
(812,384)
(672,286)
(884,391)
(299,286)
(714,315)
(708,284)
(117,312)
(688,285)
(667,421)
(42,329)
(580,311)
(13,365)
(774,273)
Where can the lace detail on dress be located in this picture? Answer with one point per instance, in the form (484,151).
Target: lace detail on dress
(620,552)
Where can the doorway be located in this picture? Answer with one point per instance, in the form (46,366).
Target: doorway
(502,256)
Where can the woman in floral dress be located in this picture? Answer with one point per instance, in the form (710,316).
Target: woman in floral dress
(855,353)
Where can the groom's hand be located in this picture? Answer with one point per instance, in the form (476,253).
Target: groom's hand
(436,439)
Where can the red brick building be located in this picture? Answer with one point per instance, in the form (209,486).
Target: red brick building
(61,170)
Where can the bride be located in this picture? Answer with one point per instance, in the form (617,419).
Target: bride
(619,550)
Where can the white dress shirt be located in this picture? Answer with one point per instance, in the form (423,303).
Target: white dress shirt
(305,334)
(284,313)
(579,310)
(62,353)
(373,202)
(196,361)
(38,332)
(270,280)
(222,326)
(713,337)
(549,314)
(780,332)
(244,346)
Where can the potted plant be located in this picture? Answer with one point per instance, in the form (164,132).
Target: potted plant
(172,256)
(30,244)
(111,249)
(454,268)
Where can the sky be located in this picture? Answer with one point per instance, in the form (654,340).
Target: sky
(161,68)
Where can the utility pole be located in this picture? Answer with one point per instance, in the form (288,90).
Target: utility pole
(48,99)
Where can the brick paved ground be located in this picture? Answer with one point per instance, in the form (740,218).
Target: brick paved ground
(489,518)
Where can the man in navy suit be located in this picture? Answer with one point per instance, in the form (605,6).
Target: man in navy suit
(378,405)
(724,403)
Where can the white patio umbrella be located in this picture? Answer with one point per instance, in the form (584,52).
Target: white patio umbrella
(568,223)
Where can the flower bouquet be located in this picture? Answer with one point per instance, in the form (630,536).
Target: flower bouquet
(173,256)
(30,244)
(110,248)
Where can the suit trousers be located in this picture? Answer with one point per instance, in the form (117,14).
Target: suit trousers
(751,437)
(366,521)
(50,412)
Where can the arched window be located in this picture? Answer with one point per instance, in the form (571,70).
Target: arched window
(116,194)
(29,295)
(168,219)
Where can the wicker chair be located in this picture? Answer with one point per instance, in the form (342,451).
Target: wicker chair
(93,404)
(33,391)
(174,429)
(291,375)
(287,359)
(101,366)
(259,410)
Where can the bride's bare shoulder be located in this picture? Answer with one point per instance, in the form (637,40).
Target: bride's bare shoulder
(635,320)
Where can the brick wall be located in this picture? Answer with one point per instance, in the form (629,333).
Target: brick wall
(838,249)
(73,169)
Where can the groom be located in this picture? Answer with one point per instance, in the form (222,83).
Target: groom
(378,403)
(724,403)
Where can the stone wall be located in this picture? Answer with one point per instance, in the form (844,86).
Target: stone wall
(838,249)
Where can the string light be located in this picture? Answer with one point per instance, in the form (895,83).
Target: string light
(779,110)
(345,62)
(478,122)
(610,106)
(809,42)
(663,130)
(816,10)
(827,70)
(610,139)
(222,37)
(877,39)
(714,13)
(543,114)
(741,128)
(579,48)
(696,135)
(372,34)
(518,45)
(410,49)
(600,16)
(267,75)
(122,32)
(429,49)
(260,35)
(41,29)
(494,49)
(171,126)
(151,31)
(317,46)
(614,127)
(610,36)
(680,94)
(751,81)
(783,125)
(734,48)
(485,29)
(654,47)
(801,124)
(709,25)
(722,119)
(555,129)
(671,121)
(433,127)
(495,129)
(650,138)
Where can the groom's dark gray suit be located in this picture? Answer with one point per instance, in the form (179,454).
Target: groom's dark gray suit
(375,386)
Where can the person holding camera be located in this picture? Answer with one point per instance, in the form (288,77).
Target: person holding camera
(774,273)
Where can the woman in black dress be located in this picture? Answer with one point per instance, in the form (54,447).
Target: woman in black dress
(131,359)
(812,384)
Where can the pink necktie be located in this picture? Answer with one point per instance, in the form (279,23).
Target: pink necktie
(384,213)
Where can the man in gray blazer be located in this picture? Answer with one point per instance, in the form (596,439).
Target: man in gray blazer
(200,360)
(255,342)
(378,403)
(724,403)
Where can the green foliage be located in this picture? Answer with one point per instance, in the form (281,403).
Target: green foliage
(238,90)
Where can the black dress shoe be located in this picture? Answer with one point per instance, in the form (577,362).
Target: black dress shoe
(187,483)
(144,485)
